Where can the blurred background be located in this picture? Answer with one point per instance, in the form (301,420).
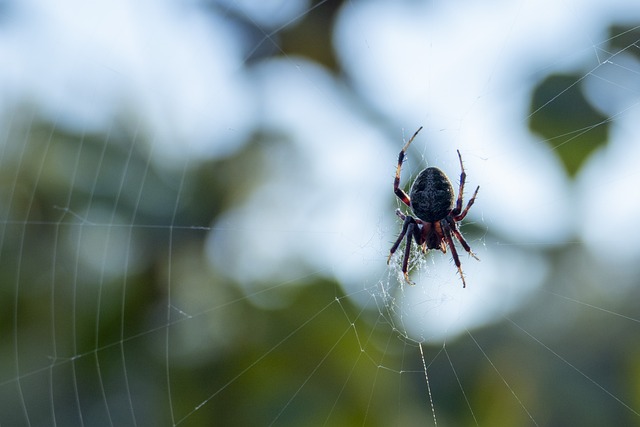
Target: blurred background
(196,208)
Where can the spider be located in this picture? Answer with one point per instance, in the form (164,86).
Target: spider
(431,200)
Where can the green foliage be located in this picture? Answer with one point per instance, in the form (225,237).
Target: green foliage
(562,115)
(622,37)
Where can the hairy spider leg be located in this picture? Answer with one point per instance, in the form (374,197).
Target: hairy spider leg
(437,226)
(407,252)
(396,181)
(463,178)
(411,230)
(426,229)
(463,242)
(454,253)
(460,216)
(457,213)
(405,226)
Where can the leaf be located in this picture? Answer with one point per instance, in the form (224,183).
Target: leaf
(566,120)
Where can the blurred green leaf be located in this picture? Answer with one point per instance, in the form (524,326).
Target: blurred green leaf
(623,36)
(561,115)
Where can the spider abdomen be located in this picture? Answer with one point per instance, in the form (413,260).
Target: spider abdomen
(431,195)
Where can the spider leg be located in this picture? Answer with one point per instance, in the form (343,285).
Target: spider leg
(399,192)
(407,252)
(463,178)
(460,216)
(407,221)
(410,231)
(422,236)
(454,253)
(463,242)
(419,232)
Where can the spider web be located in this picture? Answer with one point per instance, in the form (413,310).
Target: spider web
(202,240)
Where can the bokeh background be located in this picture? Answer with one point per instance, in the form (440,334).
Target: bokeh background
(196,209)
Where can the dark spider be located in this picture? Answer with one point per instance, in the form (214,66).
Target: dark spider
(431,200)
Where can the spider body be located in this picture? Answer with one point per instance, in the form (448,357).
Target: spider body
(431,195)
(431,200)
